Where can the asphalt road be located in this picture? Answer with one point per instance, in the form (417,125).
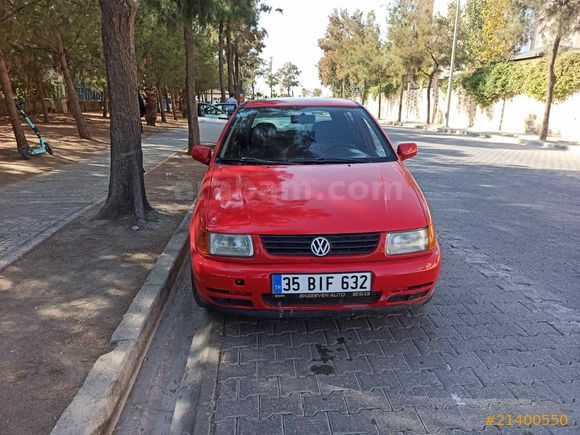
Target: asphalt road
(501,336)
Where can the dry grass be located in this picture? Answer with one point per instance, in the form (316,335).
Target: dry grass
(62,135)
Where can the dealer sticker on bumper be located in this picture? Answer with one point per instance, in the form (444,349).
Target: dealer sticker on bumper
(321,283)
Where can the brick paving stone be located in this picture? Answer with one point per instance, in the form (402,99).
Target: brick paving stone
(270,426)
(463,377)
(226,427)
(321,403)
(358,364)
(248,354)
(361,423)
(284,353)
(329,383)
(398,421)
(308,425)
(430,361)
(341,337)
(386,379)
(280,405)
(275,368)
(411,379)
(408,398)
(299,339)
(443,419)
(381,363)
(307,384)
(228,389)
(367,348)
(252,387)
(239,408)
(404,347)
(359,400)
(227,371)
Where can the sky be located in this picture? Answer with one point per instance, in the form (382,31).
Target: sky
(293,35)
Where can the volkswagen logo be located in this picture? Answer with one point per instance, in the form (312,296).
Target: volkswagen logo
(320,246)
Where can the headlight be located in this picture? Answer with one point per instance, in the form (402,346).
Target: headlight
(231,245)
(406,242)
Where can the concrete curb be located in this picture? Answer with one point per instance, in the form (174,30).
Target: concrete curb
(96,406)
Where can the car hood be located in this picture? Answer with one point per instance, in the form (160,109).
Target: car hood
(314,199)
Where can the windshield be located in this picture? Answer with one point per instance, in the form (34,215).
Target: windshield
(293,135)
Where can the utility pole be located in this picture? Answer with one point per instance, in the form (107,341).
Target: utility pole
(449,87)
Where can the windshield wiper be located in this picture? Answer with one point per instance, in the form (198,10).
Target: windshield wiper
(324,160)
(253,161)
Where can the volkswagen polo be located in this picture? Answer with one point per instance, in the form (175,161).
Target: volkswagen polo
(306,208)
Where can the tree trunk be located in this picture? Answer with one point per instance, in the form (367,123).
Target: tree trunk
(150,97)
(230,58)
(550,92)
(71,93)
(380,99)
(192,121)
(429,86)
(400,114)
(174,105)
(160,99)
(42,95)
(221,59)
(126,185)
(21,142)
(237,77)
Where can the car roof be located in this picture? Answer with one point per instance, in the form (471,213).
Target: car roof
(281,102)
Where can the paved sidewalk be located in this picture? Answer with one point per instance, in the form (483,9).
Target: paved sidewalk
(496,136)
(34,209)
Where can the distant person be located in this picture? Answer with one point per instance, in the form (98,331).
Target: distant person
(231,100)
(142,109)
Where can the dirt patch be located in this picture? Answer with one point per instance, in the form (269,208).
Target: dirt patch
(62,135)
(62,301)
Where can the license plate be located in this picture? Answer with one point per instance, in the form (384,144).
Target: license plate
(283,284)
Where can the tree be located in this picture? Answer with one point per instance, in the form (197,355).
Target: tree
(72,27)
(191,11)
(494,30)
(271,77)
(403,38)
(126,185)
(556,19)
(289,77)
(317,92)
(353,53)
(5,28)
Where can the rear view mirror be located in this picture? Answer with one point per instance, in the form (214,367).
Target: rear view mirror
(201,153)
(407,150)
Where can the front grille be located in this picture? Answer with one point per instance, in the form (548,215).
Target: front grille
(340,244)
(297,301)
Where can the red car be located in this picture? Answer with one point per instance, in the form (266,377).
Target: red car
(306,208)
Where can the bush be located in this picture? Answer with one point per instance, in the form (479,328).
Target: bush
(501,80)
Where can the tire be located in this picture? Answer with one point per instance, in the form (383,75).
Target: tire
(196,296)
(48,148)
(25,153)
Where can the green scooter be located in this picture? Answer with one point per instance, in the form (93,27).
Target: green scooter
(43,146)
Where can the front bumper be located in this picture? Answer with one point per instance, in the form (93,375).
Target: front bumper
(398,283)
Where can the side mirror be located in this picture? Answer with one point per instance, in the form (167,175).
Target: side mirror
(407,150)
(224,117)
(201,153)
